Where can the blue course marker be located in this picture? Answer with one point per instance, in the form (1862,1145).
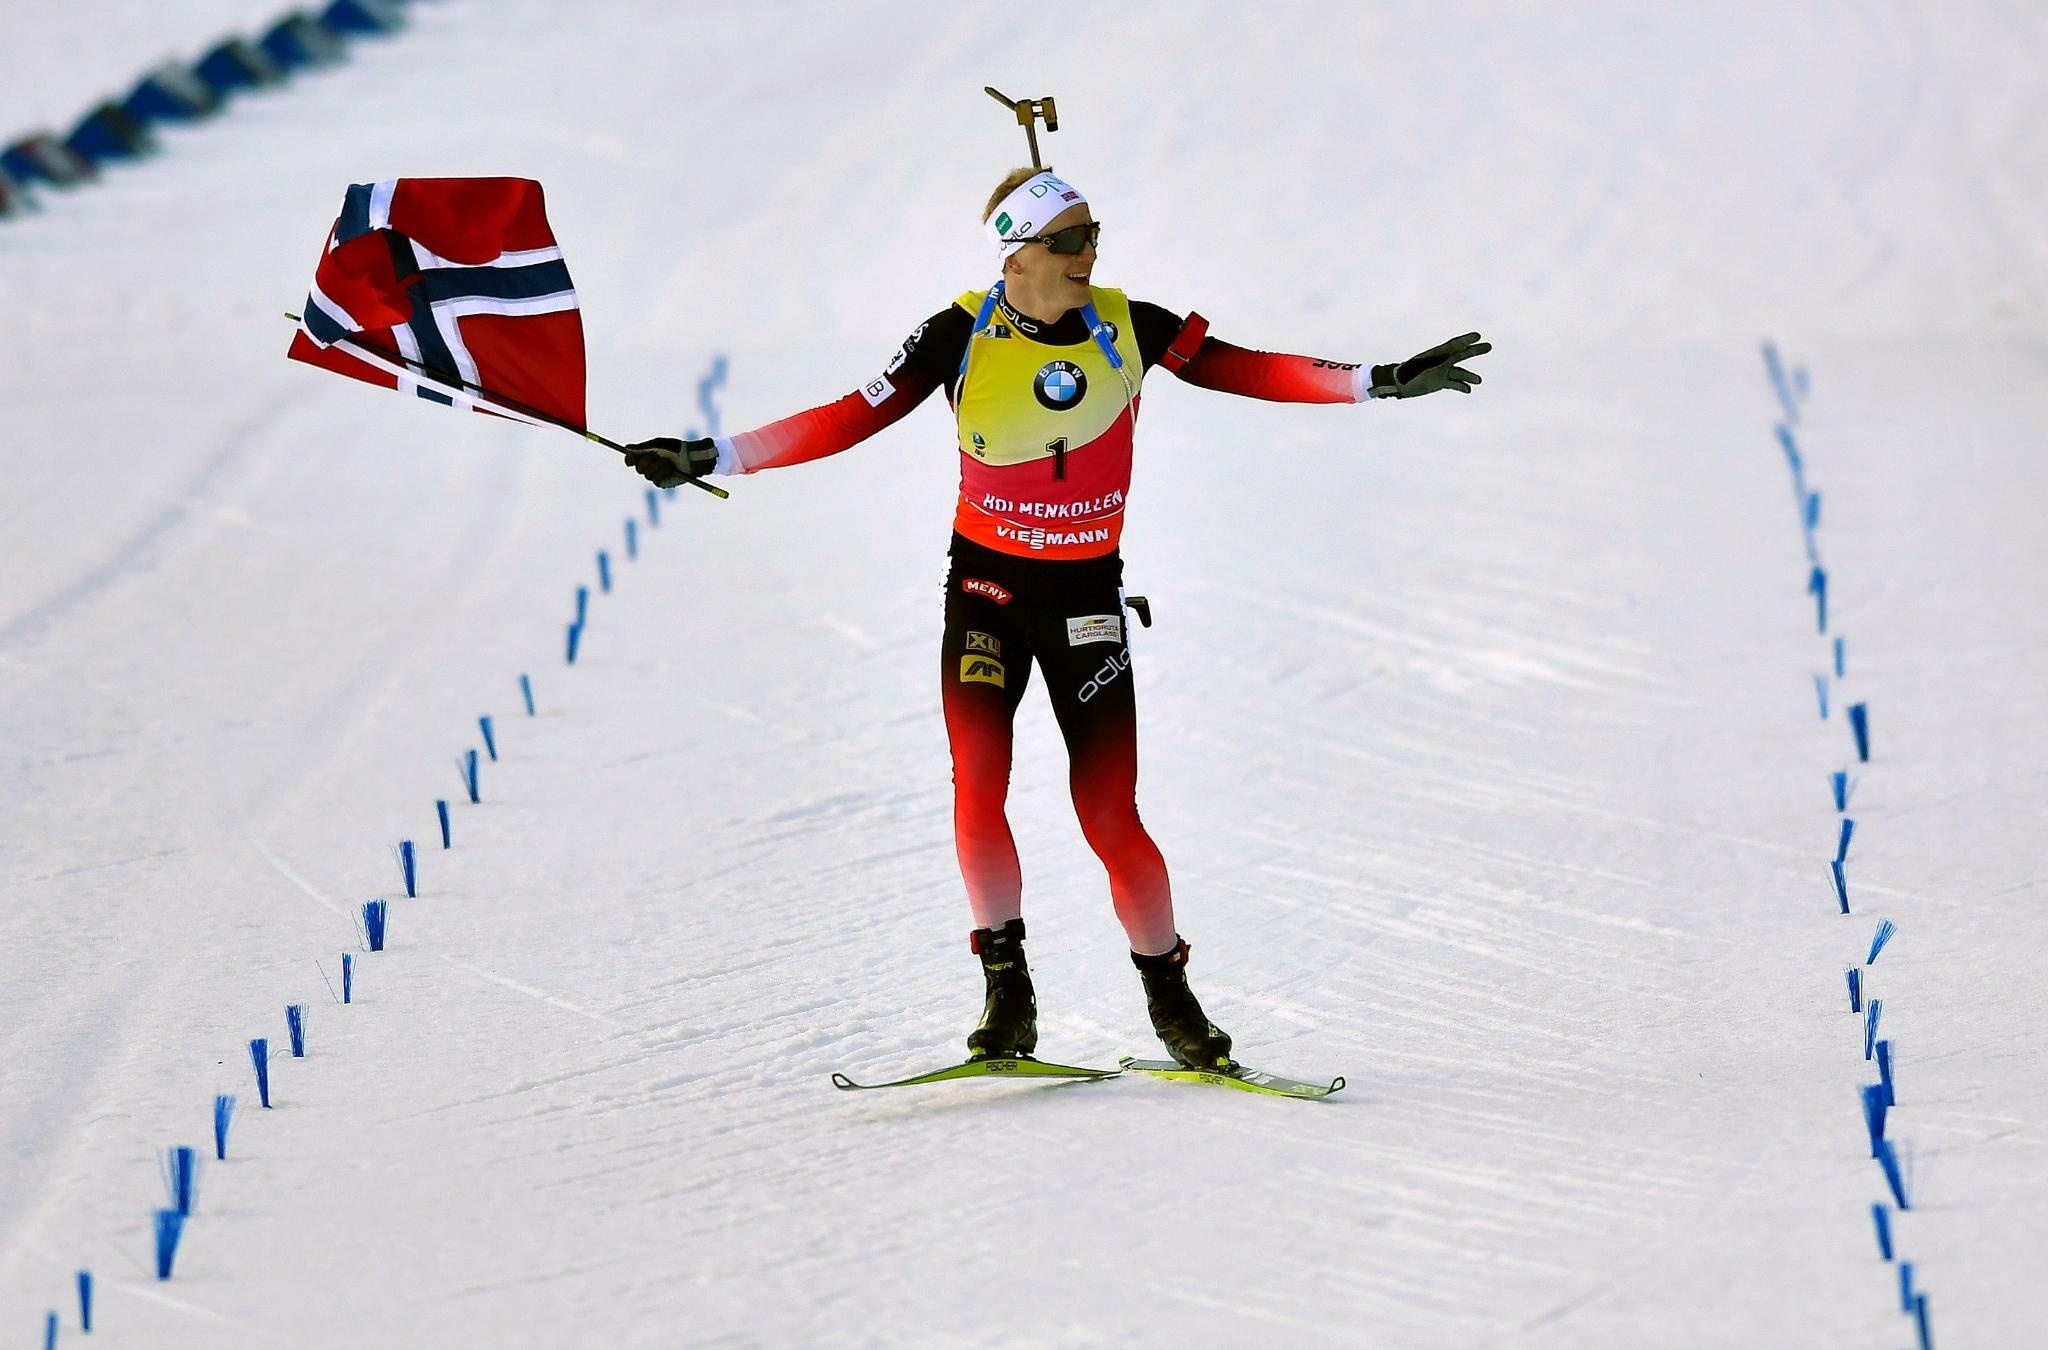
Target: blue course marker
(170,93)
(408,865)
(42,158)
(1841,885)
(1855,990)
(1871,1012)
(1906,1286)
(1779,384)
(706,387)
(259,1059)
(1884,932)
(234,64)
(181,1176)
(604,571)
(490,737)
(1874,1106)
(1920,1322)
(1884,1073)
(169,1226)
(1820,688)
(50,1332)
(85,1301)
(582,605)
(441,813)
(348,978)
(1842,843)
(526,693)
(374,914)
(632,539)
(467,764)
(364,17)
(1840,783)
(1817,587)
(653,509)
(1839,653)
(1792,458)
(1881,1219)
(575,639)
(223,1116)
(1859,722)
(1812,514)
(298,41)
(1888,1159)
(295,1028)
(107,133)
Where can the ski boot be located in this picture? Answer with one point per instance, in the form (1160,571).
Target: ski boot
(1009,1016)
(1188,1034)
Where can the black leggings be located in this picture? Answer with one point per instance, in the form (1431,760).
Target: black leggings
(1003,614)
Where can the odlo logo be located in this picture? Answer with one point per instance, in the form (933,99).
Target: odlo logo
(1107,676)
(1060,385)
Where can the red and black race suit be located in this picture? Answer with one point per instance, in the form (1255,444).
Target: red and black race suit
(1005,614)
(1047,596)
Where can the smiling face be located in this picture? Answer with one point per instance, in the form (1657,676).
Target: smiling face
(1045,284)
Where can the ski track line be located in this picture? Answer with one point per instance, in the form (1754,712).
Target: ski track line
(154,1295)
(553,1000)
(279,866)
(137,547)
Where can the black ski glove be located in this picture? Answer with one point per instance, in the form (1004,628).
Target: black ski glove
(666,461)
(1435,369)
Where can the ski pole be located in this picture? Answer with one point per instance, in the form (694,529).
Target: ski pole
(385,360)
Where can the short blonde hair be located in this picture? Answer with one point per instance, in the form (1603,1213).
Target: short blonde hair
(1011,181)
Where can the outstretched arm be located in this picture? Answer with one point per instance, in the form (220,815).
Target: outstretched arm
(825,430)
(1275,376)
(1213,363)
(912,374)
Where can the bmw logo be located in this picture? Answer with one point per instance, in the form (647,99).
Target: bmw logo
(1059,385)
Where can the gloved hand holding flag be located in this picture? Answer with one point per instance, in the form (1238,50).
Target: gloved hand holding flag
(452,289)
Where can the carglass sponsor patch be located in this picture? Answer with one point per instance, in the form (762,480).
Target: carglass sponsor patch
(1089,628)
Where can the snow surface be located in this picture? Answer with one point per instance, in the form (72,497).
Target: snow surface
(1480,734)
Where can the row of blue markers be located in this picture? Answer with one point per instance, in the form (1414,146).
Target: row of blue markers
(179,1166)
(1877,1098)
(121,130)
(118,130)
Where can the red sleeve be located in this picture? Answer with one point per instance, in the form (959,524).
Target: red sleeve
(826,430)
(1274,376)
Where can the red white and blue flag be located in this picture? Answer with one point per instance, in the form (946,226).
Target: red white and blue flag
(452,289)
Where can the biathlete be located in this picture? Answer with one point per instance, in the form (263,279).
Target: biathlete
(1044,371)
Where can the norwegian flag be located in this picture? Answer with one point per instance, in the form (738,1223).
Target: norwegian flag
(452,289)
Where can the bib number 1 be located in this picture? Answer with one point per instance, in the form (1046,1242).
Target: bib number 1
(1059,458)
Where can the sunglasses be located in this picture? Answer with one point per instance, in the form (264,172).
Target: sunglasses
(1070,240)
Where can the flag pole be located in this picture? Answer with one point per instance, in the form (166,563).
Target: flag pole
(511,407)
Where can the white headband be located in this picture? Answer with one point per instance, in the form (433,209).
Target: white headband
(1027,210)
